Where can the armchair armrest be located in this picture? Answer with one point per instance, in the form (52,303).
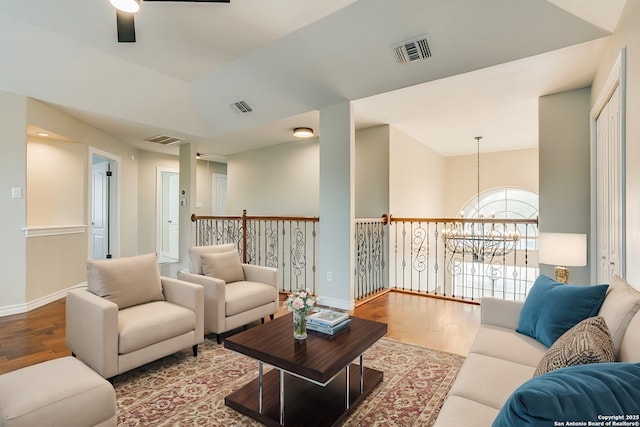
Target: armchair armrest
(498,312)
(186,295)
(92,331)
(214,299)
(258,273)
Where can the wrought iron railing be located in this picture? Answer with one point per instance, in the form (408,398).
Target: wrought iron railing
(371,240)
(464,258)
(285,243)
(456,258)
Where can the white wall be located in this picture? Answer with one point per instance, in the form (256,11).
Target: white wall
(278,180)
(517,169)
(565,169)
(627,34)
(416,178)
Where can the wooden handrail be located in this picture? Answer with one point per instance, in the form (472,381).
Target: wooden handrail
(195,218)
(468,220)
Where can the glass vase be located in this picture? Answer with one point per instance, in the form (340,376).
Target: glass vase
(299,325)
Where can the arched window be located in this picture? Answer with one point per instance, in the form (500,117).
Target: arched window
(510,277)
(507,202)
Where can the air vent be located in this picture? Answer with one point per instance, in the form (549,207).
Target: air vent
(241,107)
(163,139)
(413,50)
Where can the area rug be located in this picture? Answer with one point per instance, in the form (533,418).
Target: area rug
(181,390)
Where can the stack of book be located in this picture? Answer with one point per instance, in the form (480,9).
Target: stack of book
(328,321)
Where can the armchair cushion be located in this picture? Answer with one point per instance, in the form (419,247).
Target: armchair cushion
(223,265)
(243,296)
(195,266)
(147,324)
(126,281)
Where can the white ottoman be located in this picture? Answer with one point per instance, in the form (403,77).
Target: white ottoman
(59,392)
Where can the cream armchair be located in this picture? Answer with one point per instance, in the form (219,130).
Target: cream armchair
(129,315)
(235,294)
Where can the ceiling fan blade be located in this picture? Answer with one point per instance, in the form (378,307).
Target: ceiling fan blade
(126,27)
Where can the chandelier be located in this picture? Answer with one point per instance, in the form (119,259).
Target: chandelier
(481,238)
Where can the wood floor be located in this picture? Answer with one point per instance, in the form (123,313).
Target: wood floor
(39,335)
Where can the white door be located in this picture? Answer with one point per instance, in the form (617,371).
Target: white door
(219,194)
(99,206)
(169,217)
(609,181)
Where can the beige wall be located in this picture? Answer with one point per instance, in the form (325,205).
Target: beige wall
(54,121)
(372,172)
(627,35)
(517,169)
(57,182)
(148,164)
(13,213)
(416,178)
(204,178)
(278,180)
(55,263)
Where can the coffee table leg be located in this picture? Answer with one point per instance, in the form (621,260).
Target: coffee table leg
(348,383)
(281,397)
(361,374)
(260,387)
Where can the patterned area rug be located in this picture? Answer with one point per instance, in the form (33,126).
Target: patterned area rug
(181,390)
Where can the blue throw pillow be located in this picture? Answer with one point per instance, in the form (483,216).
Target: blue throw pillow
(577,393)
(552,308)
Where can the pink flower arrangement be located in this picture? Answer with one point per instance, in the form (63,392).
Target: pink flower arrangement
(301,301)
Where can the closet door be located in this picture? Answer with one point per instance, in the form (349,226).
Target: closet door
(609,194)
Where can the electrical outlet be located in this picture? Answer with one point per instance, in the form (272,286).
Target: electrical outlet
(16,192)
(329,276)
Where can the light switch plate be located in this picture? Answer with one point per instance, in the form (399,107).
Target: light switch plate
(16,193)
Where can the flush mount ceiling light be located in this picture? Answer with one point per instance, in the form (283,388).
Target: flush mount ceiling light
(303,132)
(129,6)
(42,134)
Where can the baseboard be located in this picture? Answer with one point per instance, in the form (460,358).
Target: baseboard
(336,303)
(38,302)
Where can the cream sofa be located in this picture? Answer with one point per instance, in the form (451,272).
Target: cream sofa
(501,360)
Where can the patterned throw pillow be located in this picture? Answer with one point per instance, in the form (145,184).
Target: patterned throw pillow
(587,342)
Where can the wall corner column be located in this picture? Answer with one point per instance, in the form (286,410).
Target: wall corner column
(337,206)
(187,200)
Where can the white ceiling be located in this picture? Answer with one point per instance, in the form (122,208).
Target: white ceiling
(491,60)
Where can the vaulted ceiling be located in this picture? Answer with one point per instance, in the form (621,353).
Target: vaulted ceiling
(491,60)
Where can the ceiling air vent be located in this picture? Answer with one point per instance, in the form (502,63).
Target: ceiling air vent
(163,139)
(241,107)
(413,50)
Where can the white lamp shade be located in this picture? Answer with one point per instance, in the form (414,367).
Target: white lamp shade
(562,249)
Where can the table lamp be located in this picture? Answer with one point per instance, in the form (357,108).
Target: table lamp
(562,250)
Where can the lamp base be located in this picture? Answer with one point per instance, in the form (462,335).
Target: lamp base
(562,274)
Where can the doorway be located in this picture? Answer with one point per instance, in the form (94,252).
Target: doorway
(103,194)
(167,214)
(219,194)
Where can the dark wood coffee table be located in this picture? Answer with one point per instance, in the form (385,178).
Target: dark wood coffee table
(308,386)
